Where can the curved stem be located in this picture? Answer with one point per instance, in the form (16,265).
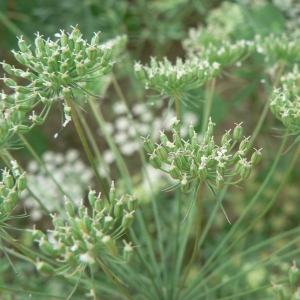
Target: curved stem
(86,146)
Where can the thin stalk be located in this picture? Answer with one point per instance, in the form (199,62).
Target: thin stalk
(86,146)
(174,277)
(177,108)
(198,233)
(113,279)
(143,159)
(94,145)
(119,159)
(208,106)
(221,246)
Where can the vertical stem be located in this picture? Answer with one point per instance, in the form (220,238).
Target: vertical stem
(198,232)
(94,145)
(177,108)
(208,105)
(86,146)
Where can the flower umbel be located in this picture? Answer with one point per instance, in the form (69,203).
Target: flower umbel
(194,160)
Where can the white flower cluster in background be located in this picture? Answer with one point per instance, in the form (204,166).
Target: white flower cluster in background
(146,123)
(68,170)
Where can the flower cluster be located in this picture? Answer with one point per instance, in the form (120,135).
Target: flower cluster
(85,237)
(203,160)
(54,69)
(11,187)
(175,81)
(67,168)
(282,48)
(285,103)
(209,44)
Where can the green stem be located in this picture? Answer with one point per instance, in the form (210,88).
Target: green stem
(208,106)
(198,233)
(85,145)
(113,279)
(177,108)
(119,159)
(94,145)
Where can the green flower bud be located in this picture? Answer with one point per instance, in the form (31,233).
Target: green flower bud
(175,124)
(22,107)
(237,132)
(13,196)
(177,140)
(202,172)
(246,170)
(256,157)
(193,170)
(149,145)
(155,161)
(244,144)
(9,205)
(139,72)
(210,127)
(207,137)
(184,185)
(191,131)
(87,222)
(8,179)
(194,142)
(132,202)
(278,291)
(99,204)
(69,208)
(127,220)
(23,45)
(46,246)
(112,194)
(220,181)
(174,172)
(56,221)
(163,138)
(45,268)
(118,209)
(23,129)
(109,242)
(162,153)
(9,82)
(92,197)
(80,68)
(127,251)
(95,39)
(37,234)
(108,222)
(294,274)
(221,168)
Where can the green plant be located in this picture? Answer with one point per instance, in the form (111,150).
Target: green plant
(214,232)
